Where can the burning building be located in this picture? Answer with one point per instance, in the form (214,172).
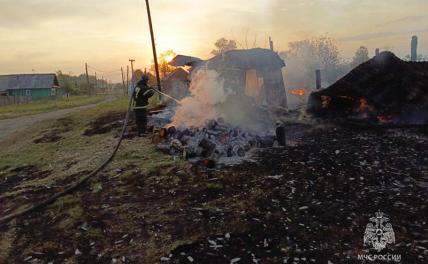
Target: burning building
(256,73)
(227,112)
(385,89)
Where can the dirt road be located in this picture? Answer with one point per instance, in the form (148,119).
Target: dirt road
(9,126)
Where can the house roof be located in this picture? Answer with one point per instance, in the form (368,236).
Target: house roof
(178,73)
(247,59)
(27,81)
(183,60)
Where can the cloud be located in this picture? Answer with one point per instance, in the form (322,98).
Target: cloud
(378,35)
(407,19)
(20,14)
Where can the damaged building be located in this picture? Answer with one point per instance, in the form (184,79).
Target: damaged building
(176,84)
(384,89)
(253,72)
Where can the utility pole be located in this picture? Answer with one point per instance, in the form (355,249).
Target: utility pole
(155,57)
(270,44)
(414,49)
(132,73)
(96,82)
(87,79)
(318,79)
(123,80)
(102,82)
(127,76)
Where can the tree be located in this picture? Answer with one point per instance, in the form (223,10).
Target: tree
(420,57)
(304,57)
(163,60)
(361,56)
(223,45)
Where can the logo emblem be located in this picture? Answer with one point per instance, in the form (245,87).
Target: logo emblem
(379,232)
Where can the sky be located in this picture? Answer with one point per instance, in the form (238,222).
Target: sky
(50,35)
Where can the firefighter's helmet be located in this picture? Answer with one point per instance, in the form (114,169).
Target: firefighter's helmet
(144,80)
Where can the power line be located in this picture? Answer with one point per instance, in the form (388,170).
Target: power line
(103,71)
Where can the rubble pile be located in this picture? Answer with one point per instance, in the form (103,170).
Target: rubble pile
(215,142)
(384,90)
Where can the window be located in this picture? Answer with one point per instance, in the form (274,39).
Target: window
(53,93)
(27,92)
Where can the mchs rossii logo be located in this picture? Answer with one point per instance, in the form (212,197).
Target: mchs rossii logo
(379,235)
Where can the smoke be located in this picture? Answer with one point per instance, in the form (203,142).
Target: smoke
(209,99)
(303,58)
(206,93)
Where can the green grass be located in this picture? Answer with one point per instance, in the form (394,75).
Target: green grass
(16,110)
(19,149)
(83,152)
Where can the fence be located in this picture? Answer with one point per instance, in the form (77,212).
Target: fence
(8,100)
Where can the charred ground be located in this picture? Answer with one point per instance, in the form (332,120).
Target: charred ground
(308,202)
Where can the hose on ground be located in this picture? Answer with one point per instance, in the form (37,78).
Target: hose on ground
(76,184)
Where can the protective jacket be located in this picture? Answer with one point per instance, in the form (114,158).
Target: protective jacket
(142,93)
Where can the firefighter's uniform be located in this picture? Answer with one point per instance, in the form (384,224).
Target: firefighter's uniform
(141,95)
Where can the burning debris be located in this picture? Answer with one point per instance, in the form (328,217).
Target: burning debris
(384,90)
(214,124)
(215,142)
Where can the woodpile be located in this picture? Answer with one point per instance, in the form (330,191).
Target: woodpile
(215,141)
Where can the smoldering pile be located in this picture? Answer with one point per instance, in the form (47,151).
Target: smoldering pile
(383,91)
(216,142)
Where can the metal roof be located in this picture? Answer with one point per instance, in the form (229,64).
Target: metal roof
(27,81)
(182,60)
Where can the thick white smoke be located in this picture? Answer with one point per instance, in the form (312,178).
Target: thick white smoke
(206,93)
(209,99)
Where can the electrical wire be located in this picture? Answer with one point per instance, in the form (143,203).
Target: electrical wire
(103,71)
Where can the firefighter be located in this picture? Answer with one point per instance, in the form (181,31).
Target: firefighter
(142,93)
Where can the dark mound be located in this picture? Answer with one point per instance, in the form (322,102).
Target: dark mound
(105,123)
(384,88)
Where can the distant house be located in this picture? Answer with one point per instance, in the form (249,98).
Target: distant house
(30,85)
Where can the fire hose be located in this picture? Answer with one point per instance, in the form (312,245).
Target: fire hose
(76,184)
(167,95)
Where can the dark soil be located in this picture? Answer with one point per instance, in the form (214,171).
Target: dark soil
(29,195)
(105,123)
(13,177)
(54,134)
(308,203)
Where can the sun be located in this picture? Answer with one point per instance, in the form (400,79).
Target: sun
(167,56)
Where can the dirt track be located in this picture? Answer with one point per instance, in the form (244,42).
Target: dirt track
(9,126)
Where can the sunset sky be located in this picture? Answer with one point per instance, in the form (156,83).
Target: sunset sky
(51,35)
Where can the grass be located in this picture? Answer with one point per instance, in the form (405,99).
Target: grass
(76,151)
(19,148)
(16,110)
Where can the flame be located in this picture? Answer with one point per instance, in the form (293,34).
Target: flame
(383,119)
(298,92)
(365,106)
(325,101)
